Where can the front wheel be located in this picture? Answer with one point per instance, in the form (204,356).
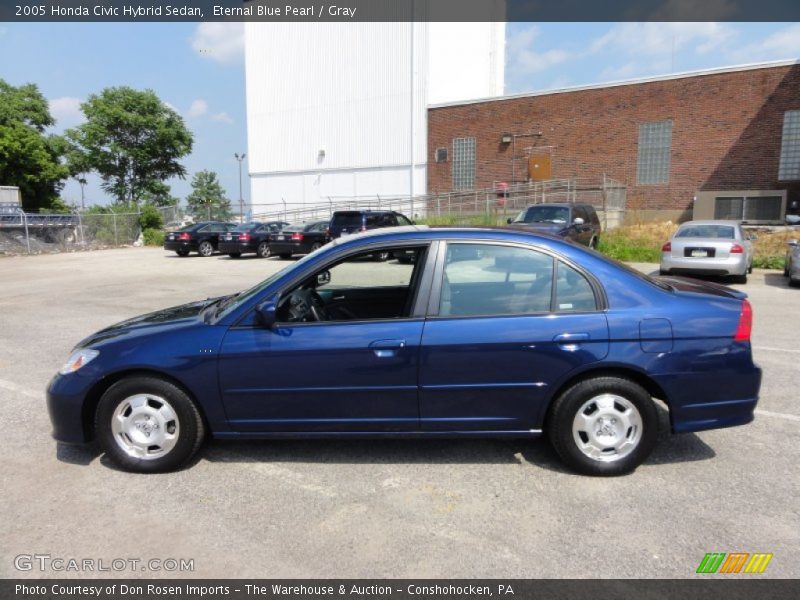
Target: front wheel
(603,426)
(205,249)
(148,425)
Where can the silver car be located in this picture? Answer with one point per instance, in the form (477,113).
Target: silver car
(791,267)
(708,248)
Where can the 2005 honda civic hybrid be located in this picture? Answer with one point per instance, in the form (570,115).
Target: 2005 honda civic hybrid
(487,332)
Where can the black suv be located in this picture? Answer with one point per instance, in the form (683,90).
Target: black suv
(577,222)
(345,222)
(202,238)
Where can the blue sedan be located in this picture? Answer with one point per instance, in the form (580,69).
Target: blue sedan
(485,332)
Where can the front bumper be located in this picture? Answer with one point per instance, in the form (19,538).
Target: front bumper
(733,265)
(66,396)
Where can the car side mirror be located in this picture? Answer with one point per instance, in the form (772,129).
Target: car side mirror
(509,220)
(267,313)
(578,221)
(323,278)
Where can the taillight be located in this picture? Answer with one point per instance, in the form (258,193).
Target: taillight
(297,237)
(244,237)
(737,249)
(185,237)
(667,247)
(745,323)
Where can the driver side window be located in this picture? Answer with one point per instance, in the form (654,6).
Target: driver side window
(370,285)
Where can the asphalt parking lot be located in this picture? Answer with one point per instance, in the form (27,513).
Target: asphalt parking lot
(473,508)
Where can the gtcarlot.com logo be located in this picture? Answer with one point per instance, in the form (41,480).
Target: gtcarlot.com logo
(58,564)
(734,562)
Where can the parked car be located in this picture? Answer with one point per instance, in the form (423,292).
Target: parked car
(202,238)
(346,222)
(708,248)
(577,222)
(490,332)
(791,267)
(299,239)
(250,238)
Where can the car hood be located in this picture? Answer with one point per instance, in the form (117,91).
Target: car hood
(696,286)
(551,228)
(158,321)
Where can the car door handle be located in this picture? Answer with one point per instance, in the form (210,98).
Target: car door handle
(387,348)
(570,341)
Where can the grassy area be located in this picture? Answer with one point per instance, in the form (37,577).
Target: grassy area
(642,243)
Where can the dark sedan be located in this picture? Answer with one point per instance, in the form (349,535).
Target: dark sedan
(488,332)
(202,238)
(299,239)
(250,238)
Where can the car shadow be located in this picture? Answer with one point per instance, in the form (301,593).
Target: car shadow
(73,454)
(777,279)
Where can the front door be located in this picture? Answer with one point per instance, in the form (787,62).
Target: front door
(353,370)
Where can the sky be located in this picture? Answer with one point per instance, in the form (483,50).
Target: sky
(198,69)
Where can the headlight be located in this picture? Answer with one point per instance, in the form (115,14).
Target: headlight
(78,359)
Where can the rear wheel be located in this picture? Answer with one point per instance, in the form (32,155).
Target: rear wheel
(315,246)
(234,254)
(205,248)
(603,426)
(148,425)
(740,278)
(263,250)
(593,243)
(182,252)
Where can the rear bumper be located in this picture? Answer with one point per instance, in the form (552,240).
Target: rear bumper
(235,247)
(289,247)
(176,246)
(733,265)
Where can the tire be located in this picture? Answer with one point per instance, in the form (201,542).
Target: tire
(601,401)
(121,434)
(786,268)
(286,255)
(662,272)
(234,254)
(314,247)
(750,269)
(205,249)
(593,243)
(740,278)
(263,250)
(182,252)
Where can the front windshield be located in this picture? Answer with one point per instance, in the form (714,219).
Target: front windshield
(543,214)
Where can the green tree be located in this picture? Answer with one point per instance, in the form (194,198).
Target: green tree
(29,158)
(207,200)
(159,194)
(132,139)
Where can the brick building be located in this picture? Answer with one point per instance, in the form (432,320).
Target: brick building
(729,138)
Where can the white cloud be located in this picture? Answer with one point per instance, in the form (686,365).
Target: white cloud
(198,108)
(222,117)
(524,59)
(222,42)
(664,38)
(66,110)
(784,43)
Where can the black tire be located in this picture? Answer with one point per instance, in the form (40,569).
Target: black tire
(190,428)
(662,272)
(750,269)
(564,411)
(263,250)
(786,268)
(593,243)
(182,252)
(315,246)
(205,248)
(740,278)
(234,254)
(286,255)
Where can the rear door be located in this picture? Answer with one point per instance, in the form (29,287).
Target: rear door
(505,324)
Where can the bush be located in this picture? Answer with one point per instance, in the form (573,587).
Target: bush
(150,218)
(153,237)
(768,262)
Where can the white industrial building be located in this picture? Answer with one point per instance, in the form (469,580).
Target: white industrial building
(339,110)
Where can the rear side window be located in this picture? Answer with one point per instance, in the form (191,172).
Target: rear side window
(573,290)
(348,219)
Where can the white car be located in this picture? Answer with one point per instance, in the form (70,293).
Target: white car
(708,248)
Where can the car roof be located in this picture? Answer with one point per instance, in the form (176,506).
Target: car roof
(711,222)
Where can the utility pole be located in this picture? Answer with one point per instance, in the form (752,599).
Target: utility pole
(241,199)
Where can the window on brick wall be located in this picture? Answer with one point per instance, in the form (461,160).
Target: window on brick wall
(463,163)
(655,146)
(789,166)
